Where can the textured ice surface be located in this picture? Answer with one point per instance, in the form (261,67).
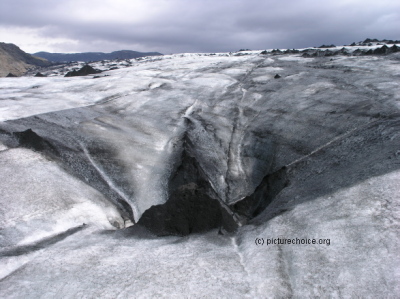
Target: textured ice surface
(362,223)
(38,199)
(333,123)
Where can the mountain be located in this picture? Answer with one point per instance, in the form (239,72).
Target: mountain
(252,174)
(93,56)
(15,61)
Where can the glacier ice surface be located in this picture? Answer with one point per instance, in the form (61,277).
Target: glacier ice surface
(114,144)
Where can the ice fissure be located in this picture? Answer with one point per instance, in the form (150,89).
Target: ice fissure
(192,204)
(195,199)
(196,204)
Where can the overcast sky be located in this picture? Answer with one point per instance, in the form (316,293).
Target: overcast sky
(176,26)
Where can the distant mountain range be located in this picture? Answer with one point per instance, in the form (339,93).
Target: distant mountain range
(93,56)
(16,62)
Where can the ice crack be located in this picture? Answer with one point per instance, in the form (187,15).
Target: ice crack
(111,184)
(243,265)
(337,138)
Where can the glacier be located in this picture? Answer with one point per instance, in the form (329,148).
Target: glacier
(157,179)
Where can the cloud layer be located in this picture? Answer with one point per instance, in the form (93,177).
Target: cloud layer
(173,26)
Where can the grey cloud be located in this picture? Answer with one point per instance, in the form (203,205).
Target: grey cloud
(210,26)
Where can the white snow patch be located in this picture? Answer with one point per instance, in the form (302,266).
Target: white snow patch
(262,79)
(2,147)
(317,87)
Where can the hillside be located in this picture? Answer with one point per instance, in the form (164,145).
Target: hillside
(254,174)
(93,56)
(14,60)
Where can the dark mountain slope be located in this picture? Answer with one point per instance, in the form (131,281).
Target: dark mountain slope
(15,61)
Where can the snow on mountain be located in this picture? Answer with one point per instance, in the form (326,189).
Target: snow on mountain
(217,149)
